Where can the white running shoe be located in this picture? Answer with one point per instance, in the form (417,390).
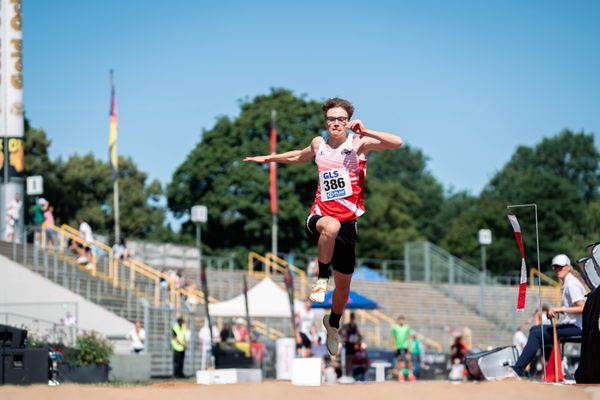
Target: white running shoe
(318,290)
(333,339)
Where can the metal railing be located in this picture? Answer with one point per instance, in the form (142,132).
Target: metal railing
(494,299)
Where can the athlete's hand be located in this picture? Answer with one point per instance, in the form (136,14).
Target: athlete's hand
(256,159)
(357,126)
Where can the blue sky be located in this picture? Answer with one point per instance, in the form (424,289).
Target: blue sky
(464,81)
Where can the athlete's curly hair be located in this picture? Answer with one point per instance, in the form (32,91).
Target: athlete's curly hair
(337,102)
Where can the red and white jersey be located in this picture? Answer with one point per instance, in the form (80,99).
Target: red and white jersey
(341,189)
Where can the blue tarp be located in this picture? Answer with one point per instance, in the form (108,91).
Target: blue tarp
(355,301)
(367,274)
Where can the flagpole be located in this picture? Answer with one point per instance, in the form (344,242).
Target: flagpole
(273,176)
(116,207)
(537,245)
(113,158)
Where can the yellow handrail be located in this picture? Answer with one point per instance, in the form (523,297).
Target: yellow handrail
(555,286)
(252,255)
(138,267)
(269,264)
(70,229)
(532,282)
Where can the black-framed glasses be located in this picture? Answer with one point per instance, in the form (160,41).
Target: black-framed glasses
(341,120)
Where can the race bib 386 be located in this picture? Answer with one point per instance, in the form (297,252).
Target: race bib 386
(335,184)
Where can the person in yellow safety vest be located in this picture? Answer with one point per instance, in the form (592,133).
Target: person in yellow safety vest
(179,340)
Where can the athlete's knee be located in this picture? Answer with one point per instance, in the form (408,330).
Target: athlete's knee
(329,226)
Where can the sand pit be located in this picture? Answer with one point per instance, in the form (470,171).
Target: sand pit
(272,390)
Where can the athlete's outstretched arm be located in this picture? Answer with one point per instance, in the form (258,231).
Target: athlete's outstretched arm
(289,157)
(375,140)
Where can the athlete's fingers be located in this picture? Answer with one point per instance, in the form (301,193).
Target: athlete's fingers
(355,126)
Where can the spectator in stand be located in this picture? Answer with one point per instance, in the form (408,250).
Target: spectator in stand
(49,224)
(38,219)
(77,249)
(164,282)
(402,344)
(137,338)
(13,219)
(120,250)
(85,232)
(458,350)
(180,282)
(415,352)
(307,332)
(257,347)
(240,332)
(519,340)
(205,346)
(9,229)
(361,362)
(172,278)
(191,299)
(319,350)
(351,338)
(226,335)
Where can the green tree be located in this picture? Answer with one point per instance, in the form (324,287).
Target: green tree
(408,167)
(81,187)
(236,193)
(388,222)
(562,176)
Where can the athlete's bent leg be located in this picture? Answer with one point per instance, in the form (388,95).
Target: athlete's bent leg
(331,322)
(341,293)
(328,229)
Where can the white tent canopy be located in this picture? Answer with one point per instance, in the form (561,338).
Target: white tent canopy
(265,299)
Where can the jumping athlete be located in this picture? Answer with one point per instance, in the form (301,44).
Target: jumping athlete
(342,164)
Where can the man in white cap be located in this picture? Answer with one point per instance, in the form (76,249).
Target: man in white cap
(573,300)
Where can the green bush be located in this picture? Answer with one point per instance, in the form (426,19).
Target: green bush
(90,348)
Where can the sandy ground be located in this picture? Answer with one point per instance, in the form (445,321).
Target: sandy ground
(272,390)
